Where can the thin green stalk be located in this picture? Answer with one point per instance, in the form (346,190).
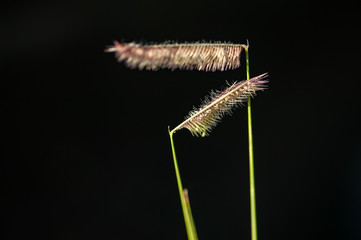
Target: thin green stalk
(252,188)
(188,220)
(186,197)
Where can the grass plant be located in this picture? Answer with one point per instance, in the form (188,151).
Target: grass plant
(200,121)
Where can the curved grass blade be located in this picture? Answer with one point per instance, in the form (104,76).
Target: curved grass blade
(199,56)
(201,121)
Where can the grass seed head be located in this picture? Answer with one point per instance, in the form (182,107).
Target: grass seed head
(201,121)
(198,56)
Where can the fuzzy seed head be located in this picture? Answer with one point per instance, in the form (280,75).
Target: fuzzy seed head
(198,56)
(201,121)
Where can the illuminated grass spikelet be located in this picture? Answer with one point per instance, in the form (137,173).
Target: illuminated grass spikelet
(199,56)
(201,121)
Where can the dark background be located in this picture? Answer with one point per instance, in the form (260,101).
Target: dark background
(87,153)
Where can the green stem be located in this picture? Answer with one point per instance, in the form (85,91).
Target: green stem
(190,228)
(252,188)
(186,197)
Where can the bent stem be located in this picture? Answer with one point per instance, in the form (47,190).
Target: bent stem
(187,214)
(252,188)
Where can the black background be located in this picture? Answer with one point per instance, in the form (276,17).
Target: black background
(87,154)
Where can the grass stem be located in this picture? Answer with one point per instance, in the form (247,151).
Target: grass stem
(186,196)
(252,188)
(187,214)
